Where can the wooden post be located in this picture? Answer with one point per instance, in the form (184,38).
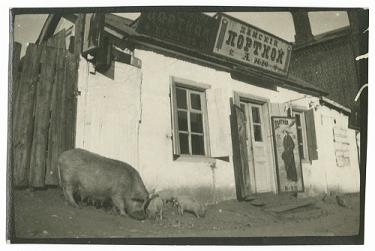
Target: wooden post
(42,117)
(240,158)
(23,115)
(71,90)
(70,101)
(55,108)
(78,36)
(15,68)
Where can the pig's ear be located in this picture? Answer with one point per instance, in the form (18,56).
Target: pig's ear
(146,203)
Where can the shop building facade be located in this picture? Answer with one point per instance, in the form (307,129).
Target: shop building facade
(193,121)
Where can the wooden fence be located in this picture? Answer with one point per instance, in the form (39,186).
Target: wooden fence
(44,109)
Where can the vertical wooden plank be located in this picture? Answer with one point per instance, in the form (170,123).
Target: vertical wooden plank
(15,68)
(15,64)
(42,117)
(55,109)
(68,101)
(23,115)
(240,158)
(241,125)
(71,101)
(78,36)
(235,151)
(61,118)
(67,105)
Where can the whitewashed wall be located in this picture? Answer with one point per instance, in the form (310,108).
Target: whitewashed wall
(109,110)
(324,174)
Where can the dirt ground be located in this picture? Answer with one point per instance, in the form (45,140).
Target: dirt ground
(45,214)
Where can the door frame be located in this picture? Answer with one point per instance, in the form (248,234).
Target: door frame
(265,104)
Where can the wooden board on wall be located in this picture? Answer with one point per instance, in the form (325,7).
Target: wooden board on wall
(240,158)
(44,112)
(15,67)
(55,109)
(70,101)
(42,117)
(23,115)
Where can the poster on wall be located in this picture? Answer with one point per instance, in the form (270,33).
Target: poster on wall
(288,162)
(341,144)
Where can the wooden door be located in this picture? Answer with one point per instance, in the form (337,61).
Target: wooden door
(258,148)
(240,158)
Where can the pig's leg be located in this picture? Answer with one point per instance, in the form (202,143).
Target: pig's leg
(68,192)
(118,201)
(180,210)
(196,214)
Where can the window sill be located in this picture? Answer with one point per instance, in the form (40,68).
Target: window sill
(193,158)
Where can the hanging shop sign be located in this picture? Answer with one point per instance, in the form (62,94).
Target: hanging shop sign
(93,32)
(190,29)
(247,44)
(288,162)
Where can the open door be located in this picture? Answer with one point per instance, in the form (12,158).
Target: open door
(240,157)
(258,147)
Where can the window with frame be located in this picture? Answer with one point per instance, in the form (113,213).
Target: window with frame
(301,134)
(189,120)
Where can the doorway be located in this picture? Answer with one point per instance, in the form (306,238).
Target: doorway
(258,146)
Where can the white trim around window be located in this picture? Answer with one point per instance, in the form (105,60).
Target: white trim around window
(189,118)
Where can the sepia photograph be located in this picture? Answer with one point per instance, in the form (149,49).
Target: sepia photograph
(187,125)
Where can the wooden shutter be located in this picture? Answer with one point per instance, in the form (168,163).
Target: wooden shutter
(311,135)
(240,158)
(175,139)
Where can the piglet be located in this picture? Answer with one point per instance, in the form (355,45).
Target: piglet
(188,204)
(154,207)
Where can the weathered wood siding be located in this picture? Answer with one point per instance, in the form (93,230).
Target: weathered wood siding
(23,115)
(44,111)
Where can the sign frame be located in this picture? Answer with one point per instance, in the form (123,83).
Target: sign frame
(283,72)
(296,151)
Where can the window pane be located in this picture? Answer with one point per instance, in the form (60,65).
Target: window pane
(258,133)
(298,119)
(256,115)
(181,98)
(197,145)
(300,143)
(196,122)
(184,143)
(195,100)
(182,121)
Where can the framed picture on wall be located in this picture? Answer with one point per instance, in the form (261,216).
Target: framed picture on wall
(288,161)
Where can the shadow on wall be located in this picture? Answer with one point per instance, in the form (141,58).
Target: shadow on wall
(107,72)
